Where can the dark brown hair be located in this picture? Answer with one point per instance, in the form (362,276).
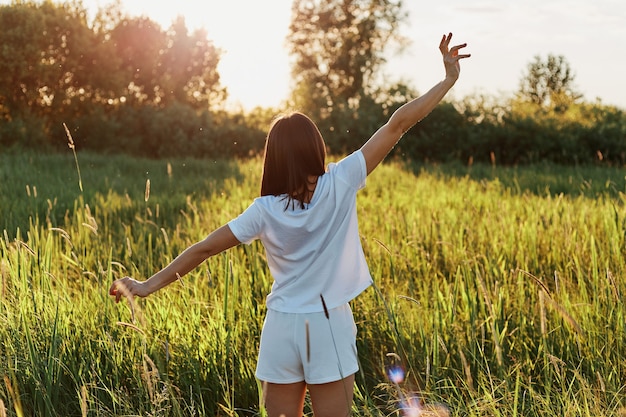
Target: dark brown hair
(294,149)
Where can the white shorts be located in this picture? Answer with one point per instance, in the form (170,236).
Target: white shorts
(288,354)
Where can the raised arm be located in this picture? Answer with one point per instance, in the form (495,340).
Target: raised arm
(385,138)
(218,241)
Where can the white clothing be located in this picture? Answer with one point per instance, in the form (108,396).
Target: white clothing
(316,250)
(308,347)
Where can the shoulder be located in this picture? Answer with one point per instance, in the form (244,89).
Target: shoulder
(266,203)
(351,169)
(354,159)
(250,223)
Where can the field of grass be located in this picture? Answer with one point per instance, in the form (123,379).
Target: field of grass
(500,290)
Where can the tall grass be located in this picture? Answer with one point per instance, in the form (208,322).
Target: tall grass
(500,295)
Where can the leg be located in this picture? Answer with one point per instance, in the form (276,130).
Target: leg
(333,399)
(284,400)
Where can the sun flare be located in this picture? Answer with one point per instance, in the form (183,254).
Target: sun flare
(251,35)
(255,67)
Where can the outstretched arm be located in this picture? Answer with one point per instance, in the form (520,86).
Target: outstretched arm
(218,241)
(379,145)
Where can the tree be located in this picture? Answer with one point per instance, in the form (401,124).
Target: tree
(45,51)
(138,43)
(338,46)
(162,67)
(50,62)
(190,67)
(55,67)
(549,83)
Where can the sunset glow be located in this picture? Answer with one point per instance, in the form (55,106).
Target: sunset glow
(251,35)
(503,37)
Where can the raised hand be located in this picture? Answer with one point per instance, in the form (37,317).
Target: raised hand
(451,57)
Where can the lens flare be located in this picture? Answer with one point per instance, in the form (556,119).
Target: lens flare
(395,374)
(411,407)
(410,404)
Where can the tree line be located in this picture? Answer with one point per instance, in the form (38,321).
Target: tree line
(124,84)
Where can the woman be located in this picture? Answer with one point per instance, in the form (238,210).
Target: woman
(306,220)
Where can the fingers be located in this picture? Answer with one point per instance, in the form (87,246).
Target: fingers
(114,292)
(455,51)
(446,50)
(445,42)
(457,47)
(122,288)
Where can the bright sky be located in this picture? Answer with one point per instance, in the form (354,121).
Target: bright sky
(502,35)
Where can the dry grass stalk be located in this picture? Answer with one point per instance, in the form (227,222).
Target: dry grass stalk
(131,326)
(566,316)
(147,192)
(129,247)
(537,281)
(382,245)
(72,146)
(494,333)
(150,375)
(542,314)
(63,233)
(28,192)
(601,382)
(83,401)
(434,411)
(614,288)
(165,236)
(91,223)
(24,245)
(467,370)
(552,302)
(4,273)
(308,341)
(15,396)
(180,279)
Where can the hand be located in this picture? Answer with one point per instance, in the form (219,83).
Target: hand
(129,288)
(451,57)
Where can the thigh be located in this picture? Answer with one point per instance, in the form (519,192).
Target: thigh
(333,399)
(286,400)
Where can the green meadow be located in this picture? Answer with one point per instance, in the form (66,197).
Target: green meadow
(499,290)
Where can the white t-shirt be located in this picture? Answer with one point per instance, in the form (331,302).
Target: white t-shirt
(316,250)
